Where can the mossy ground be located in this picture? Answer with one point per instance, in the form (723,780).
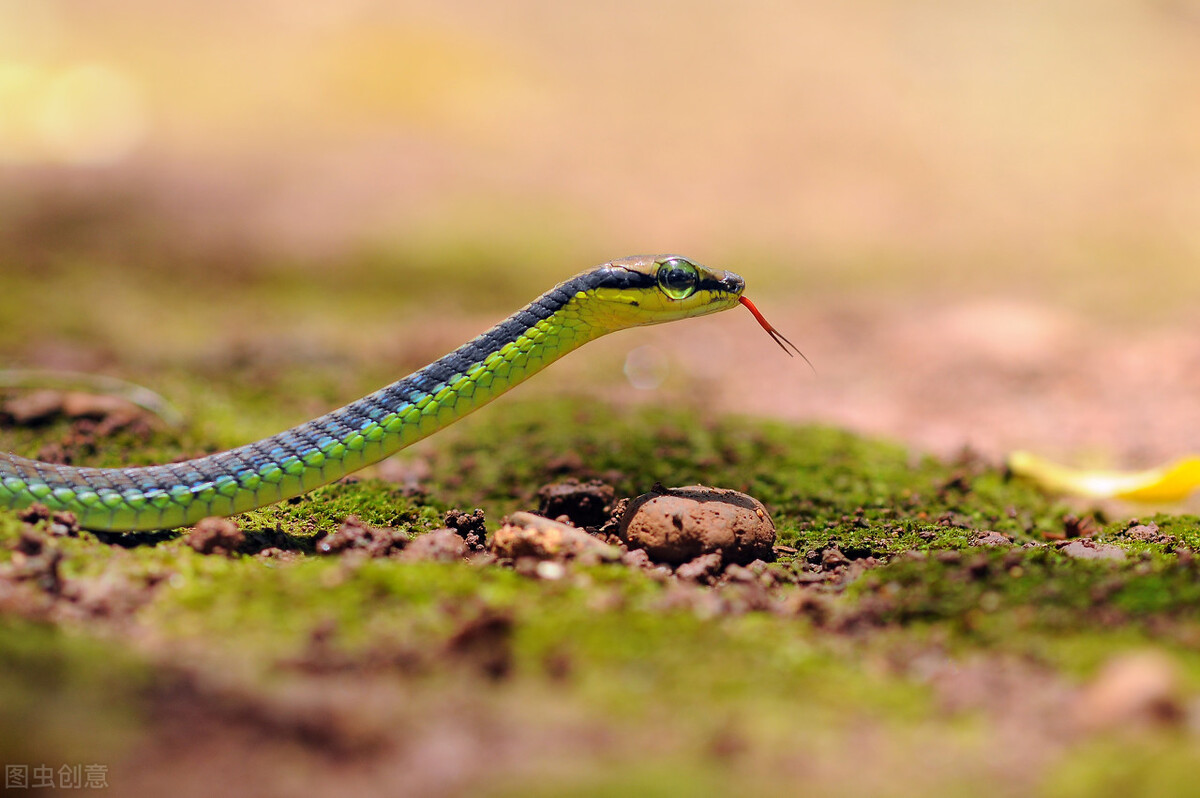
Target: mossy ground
(611,679)
(259,268)
(883,653)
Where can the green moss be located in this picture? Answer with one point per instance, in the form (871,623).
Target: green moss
(323,510)
(609,647)
(1159,766)
(819,482)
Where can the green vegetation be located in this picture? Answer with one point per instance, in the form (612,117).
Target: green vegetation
(742,683)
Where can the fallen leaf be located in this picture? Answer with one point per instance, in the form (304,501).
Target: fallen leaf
(1169,483)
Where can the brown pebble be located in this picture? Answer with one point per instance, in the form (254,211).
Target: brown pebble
(636,558)
(63,523)
(738,573)
(701,569)
(529,535)
(832,557)
(216,536)
(682,524)
(991,538)
(1085,549)
(1147,532)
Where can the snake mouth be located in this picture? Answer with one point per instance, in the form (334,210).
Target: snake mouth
(722,287)
(776,336)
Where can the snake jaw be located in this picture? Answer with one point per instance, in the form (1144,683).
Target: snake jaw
(776,336)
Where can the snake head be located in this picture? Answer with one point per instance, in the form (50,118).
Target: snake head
(655,288)
(650,289)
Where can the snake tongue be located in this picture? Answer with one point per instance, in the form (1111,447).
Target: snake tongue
(776,336)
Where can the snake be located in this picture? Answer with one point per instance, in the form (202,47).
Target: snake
(617,295)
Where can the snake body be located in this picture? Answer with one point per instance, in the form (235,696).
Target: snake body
(616,295)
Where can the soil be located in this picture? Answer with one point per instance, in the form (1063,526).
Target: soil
(583,504)
(984,375)
(354,535)
(216,536)
(949,231)
(313,717)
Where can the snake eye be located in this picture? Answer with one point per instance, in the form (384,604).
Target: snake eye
(678,278)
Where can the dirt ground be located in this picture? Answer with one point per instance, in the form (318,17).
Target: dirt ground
(978,221)
(990,375)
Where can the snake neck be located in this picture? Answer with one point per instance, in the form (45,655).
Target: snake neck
(556,323)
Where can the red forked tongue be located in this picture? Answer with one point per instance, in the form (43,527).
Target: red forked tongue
(776,336)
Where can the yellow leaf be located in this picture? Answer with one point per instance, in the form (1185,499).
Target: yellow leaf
(1172,482)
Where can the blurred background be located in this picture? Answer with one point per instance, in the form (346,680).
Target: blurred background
(981,221)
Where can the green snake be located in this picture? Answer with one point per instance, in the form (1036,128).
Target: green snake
(623,293)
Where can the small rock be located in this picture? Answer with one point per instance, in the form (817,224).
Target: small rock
(1149,533)
(1139,688)
(701,569)
(832,557)
(440,545)
(1085,549)
(636,558)
(991,538)
(1146,532)
(529,535)
(216,536)
(677,525)
(584,503)
(63,523)
(738,573)
(550,570)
